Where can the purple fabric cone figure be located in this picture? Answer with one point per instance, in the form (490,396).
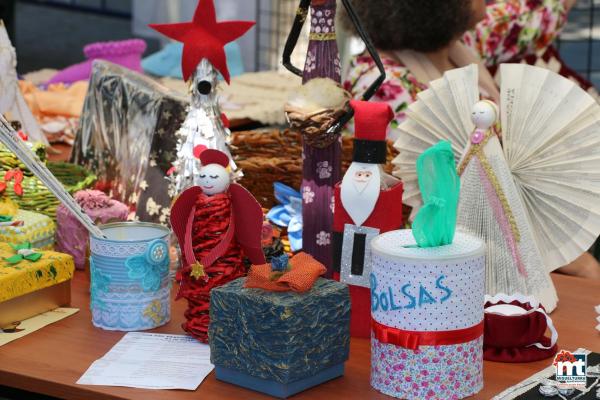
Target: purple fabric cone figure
(322,161)
(323,58)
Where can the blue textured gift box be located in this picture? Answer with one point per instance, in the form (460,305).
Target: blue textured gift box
(279,343)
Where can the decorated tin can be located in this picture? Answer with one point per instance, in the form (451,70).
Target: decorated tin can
(427,317)
(130,285)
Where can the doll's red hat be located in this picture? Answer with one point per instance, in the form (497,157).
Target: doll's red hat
(212,156)
(371,122)
(204,37)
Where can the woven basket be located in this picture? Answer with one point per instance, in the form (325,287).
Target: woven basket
(36,197)
(315,125)
(272,156)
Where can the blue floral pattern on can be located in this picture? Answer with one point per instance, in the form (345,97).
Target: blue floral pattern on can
(151,266)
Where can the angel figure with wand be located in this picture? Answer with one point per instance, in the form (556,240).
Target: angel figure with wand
(488,187)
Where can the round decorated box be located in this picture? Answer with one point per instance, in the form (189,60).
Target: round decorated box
(427,310)
(130,285)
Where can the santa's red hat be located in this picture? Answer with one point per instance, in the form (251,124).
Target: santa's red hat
(371,122)
(212,156)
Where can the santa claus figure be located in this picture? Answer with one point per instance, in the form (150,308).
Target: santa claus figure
(217,224)
(367,202)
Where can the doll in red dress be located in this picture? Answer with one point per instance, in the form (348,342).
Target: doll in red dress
(217,224)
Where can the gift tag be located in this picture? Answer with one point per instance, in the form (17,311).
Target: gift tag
(356,255)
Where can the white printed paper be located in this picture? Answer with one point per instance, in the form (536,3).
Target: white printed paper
(152,361)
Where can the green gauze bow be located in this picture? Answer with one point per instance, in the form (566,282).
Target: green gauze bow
(435,222)
(5,218)
(24,252)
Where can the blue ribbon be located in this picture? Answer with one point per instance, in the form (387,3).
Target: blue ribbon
(288,213)
(280,263)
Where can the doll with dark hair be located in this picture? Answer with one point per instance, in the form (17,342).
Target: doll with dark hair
(419,40)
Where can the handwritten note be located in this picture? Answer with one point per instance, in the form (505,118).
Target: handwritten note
(152,361)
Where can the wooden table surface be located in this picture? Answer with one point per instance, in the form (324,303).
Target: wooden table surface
(52,359)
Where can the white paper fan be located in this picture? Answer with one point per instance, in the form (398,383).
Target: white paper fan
(550,140)
(442,112)
(554,155)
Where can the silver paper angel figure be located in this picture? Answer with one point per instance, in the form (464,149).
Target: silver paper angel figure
(202,128)
(204,39)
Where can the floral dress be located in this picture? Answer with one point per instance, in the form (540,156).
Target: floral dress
(511,29)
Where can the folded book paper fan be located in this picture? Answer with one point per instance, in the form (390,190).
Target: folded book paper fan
(532,195)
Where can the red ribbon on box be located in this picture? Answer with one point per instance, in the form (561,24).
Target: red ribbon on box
(413,339)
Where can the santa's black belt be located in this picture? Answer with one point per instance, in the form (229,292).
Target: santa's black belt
(358,252)
(369,151)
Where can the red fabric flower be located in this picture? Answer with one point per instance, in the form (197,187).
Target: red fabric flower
(18,188)
(15,175)
(9,175)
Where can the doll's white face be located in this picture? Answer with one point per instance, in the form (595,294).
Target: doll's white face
(483,115)
(214,179)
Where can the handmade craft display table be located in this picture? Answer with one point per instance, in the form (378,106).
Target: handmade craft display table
(52,359)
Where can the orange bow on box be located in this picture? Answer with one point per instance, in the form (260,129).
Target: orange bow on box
(300,276)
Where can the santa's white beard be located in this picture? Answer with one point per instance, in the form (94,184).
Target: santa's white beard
(359,197)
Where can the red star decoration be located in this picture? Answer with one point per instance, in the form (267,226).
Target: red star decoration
(204,37)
